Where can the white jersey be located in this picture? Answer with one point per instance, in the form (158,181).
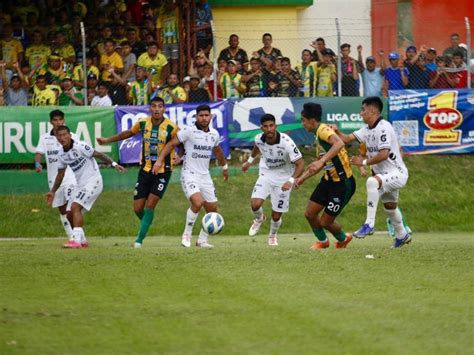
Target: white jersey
(278,159)
(81,161)
(49,146)
(198,146)
(382,136)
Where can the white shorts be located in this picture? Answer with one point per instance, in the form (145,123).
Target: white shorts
(203,184)
(86,195)
(62,195)
(392,183)
(280,199)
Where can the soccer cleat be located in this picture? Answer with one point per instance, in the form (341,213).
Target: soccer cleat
(186,241)
(256,226)
(390,228)
(273,240)
(85,244)
(398,243)
(320,245)
(364,231)
(137,245)
(72,244)
(408,229)
(204,245)
(343,244)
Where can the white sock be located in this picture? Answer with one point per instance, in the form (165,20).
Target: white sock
(274,226)
(190,219)
(372,200)
(79,236)
(258,214)
(202,236)
(67,226)
(397,222)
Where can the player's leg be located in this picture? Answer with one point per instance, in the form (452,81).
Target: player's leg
(373,185)
(391,229)
(316,204)
(75,213)
(190,187)
(260,192)
(396,219)
(65,221)
(208,193)
(61,198)
(280,204)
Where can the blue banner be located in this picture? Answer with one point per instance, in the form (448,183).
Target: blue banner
(182,115)
(433,121)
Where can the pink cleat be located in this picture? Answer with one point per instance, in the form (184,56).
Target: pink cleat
(72,244)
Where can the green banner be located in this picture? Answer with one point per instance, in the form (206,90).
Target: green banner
(21,127)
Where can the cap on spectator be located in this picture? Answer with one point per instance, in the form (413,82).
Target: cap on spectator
(195,77)
(15,76)
(370,59)
(411,49)
(55,56)
(432,50)
(186,79)
(92,76)
(327,51)
(67,78)
(393,55)
(231,61)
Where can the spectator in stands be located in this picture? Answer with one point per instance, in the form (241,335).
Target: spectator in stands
(15,93)
(415,63)
(461,70)
(105,34)
(267,51)
(54,71)
(102,98)
(65,49)
(231,82)
(37,53)
(78,71)
(203,27)
(396,75)
(167,33)
(92,82)
(138,47)
(455,47)
(110,59)
(197,94)
(255,80)
(289,80)
(234,52)
(141,88)
(207,74)
(326,74)
(117,89)
(12,49)
(19,31)
(69,95)
(155,63)
(430,62)
(441,78)
(308,72)
(120,34)
(319,45)
(350,72)
(129,61)
(172,92)
(372,77)
(43,95)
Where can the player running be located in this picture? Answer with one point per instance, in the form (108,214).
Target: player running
(79,156)
(200,141)
(49,146)
(150,188)
(280,165)
(336,186)
(391,174)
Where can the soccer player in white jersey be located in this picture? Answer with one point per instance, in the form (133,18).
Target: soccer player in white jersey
(79,156)
(200,141)
(280,165)
(49,146)
(391,174)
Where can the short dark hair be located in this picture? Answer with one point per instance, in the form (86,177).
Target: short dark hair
(458,54)
(63,128)
(267,34)
(345,45)
(455,35)
(320,39)
(306,50)
(203,108)
(41,76)
(233,35)
(103,84)
(56,113)
(157,99)
(312,110)
(152,43)
(374,101)
(285,59)
(267,117)
(109,40)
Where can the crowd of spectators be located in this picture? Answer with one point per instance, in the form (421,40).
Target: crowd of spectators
(132,54)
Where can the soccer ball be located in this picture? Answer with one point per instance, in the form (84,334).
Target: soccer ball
(213,223)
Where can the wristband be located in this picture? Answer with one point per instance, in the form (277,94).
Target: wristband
(114,164)
(225,167)
(291,180)
(250,160)
(37,165)
(364,162)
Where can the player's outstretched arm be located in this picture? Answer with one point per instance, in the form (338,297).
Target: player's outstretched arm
(38,166)
(346,138)
(57,183)
(115,138)
(299,168)
(222,162)
(253,155)
(108,160)
(167,149)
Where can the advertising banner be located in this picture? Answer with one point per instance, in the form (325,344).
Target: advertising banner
(433,121)
(182,114)
(21,127)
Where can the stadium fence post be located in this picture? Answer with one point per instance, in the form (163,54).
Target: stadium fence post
(339,67)
(214,53)
(84,64)
(468,58)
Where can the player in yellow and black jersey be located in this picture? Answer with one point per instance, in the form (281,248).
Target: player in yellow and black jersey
(156,131)
(336,186)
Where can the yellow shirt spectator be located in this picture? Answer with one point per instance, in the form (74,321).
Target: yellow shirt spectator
(46,97)
(114,60)
(308,74)
(177,91)
(153,65)
(229,84)
(37,55)
(66,51)
(78,72)
(11,50)
(325,83)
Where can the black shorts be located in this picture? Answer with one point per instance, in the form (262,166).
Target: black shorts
(147,183)
(333,195)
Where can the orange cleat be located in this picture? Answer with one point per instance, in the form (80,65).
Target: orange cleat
(320,245)
(340,245)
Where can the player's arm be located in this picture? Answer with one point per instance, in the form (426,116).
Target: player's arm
(379,157)
(299,168)
(57,183)
(38,166)
(115,138)
(253,155)
(108,160)
(346,138)
(222,162)
(167,149)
